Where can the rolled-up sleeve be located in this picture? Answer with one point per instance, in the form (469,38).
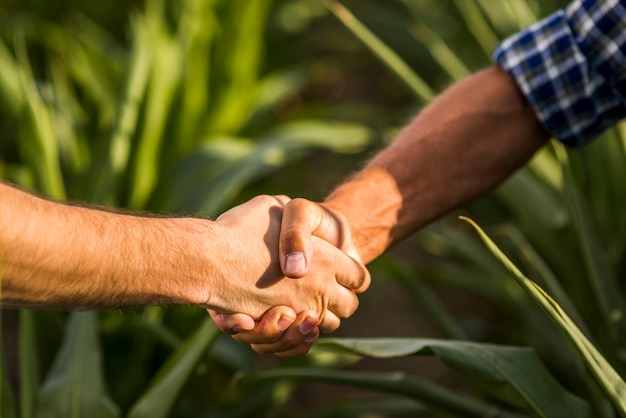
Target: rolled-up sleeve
(571,67)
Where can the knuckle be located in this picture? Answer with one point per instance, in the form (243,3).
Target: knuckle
(282,198)
(299,203)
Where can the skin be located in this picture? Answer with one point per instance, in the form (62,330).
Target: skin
(466,142)
(71,257)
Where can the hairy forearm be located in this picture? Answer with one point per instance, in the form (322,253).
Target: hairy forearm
(471,138)
(71,257)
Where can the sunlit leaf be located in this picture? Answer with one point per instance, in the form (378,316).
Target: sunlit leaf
(606,376)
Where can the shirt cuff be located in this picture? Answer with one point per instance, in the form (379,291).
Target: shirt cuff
(572,100)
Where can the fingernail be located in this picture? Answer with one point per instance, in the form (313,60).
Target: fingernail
(312,336)
(295,263)
(284,322)
(236,330)
(307,326)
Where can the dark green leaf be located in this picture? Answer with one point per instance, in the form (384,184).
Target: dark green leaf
(74,387)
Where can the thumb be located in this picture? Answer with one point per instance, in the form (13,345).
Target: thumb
(302,219)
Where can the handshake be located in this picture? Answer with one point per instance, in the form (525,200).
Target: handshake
(296,272)
(273,272)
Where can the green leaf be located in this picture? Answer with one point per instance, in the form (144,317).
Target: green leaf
(10,92)
(604,373)
(237,62)
(513,374)
(115,161)
(40,147)
(211,176)
(547,209)
(160,397)
(29,373)
(7,399)
(600,277)
(164,80)
(447,59)
(385,407)
(74,386)
(385,54)
(397,383)
(427,301)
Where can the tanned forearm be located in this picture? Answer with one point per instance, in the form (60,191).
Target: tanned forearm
(55,255)
(471,138)
(71,257)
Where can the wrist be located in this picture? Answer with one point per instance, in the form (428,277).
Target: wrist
(369,205)
(193,261)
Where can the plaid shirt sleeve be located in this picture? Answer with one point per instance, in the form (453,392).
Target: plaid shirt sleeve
(571,66)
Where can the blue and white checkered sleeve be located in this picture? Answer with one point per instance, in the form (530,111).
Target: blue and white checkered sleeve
(571,66)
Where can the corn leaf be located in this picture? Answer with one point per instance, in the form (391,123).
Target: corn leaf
(386,55)
(163,83)
(604,373)
(8,408)
(115,161)
(40,148)
(478,26)
(397,383)
(29,373)
(238,58)
(211,176)
(512,374)
(444,56)
(74,387)
(600,277)
(159,399)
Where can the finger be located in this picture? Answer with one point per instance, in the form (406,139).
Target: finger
(232,323)
(330,322)
(296,340)
(270,328)
(350,273)
(300,219)
(282,199)
(303,348)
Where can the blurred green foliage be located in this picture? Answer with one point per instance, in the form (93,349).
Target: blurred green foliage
(193,106)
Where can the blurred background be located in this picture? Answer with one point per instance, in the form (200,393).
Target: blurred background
(194,106)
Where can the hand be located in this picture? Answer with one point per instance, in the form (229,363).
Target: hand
(253,233)
(280,331)
(301,220)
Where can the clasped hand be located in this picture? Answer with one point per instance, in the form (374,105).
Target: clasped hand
(304,273)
